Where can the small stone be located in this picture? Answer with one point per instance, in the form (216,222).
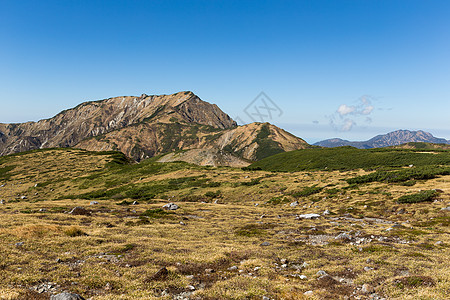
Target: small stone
(284,266)
(79,211)
(446,208)
(93,203)
(43,210)
(20,244)
(182,223)
(321,273)
(160,274)
(367,289)
(302,277)
(257,269)
(232,268)
(438,243)
(209,271)
(135,203)
(309,216)
(265,298)
(265,244)
(58,260)
(284,261)
(326,212)
(367,269)
(171,206)
(2,201)
(23,197)
(294,204)
(191,287)
(343,237)
(308,293)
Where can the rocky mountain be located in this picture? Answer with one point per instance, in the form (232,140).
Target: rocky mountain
(145,126)
(394,138)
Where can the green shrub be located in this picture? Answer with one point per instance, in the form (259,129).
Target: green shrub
(423,196)
(307,191)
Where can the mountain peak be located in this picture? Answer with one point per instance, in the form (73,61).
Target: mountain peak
(393,138)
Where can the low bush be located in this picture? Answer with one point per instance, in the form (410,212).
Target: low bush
(422,196)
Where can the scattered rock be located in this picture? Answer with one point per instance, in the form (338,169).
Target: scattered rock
(265,244)
(66,296)
(161,274)
(294,204)
(326,212)
(367,289)
(232,268)
(446,208)
(308,293)
(367,269)
(343,237)
(170,206)
(79,211)
(23,197)
(93,203)
(321,273)
(308,216)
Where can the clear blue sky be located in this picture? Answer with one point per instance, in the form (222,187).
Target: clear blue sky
(337,68)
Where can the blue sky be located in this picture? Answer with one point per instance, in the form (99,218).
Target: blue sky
(337,68)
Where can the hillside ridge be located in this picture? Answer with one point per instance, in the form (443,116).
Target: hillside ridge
(145,126)
(393,138)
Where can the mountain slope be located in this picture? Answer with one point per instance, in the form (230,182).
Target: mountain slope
(249,142)
(145,126)
(394,138)
(98,117)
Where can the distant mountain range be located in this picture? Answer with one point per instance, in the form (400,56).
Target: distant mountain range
(146,126)
(394,138)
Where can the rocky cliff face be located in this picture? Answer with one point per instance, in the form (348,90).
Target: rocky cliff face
(394,138)
(145,126)
(95,118)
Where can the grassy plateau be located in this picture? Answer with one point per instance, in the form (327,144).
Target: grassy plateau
(93,223)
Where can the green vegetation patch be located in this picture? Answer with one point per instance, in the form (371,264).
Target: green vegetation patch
(422,196)
(404,175)
(348,158)
(307,191)
(4,172)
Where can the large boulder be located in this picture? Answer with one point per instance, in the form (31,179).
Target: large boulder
(66,296)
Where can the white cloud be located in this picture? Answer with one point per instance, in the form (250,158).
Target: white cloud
(367,110)
(345,109)
(345,117)
(348,125)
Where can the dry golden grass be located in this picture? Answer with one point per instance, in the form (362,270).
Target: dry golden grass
(113,252)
